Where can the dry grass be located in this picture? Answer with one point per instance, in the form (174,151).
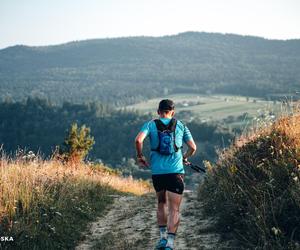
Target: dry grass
(25,182)
(254,189)
(47,204)
(288,126)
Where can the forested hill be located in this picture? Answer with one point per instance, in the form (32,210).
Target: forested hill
(126,70)
(38,125)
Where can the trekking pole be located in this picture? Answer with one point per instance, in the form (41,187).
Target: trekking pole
(195,167)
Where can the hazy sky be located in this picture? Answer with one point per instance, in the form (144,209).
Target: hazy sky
(43,22)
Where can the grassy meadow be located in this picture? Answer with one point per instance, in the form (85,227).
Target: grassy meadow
(47,204)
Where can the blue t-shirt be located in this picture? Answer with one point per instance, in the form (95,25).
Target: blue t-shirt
(166,164)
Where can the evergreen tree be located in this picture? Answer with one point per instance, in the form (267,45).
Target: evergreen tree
(78,143)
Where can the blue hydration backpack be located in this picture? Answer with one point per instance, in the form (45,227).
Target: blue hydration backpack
(166,136)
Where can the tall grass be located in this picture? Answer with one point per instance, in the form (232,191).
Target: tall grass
(254,189)
(47,204)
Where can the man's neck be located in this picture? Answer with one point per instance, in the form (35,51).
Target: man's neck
(167,116)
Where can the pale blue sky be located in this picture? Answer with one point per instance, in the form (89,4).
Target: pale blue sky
(43,22)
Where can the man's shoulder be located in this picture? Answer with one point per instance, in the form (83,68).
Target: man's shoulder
(180,124)
(150,123)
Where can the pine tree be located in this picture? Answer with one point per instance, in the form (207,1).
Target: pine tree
(78,143)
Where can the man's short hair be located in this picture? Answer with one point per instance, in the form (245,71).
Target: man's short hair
(166,105)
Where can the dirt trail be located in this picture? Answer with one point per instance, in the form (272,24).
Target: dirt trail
(131,224)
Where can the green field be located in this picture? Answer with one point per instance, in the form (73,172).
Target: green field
(214,107)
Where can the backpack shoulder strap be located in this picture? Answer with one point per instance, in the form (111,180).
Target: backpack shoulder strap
(172,127)
(172,124)
(159,125)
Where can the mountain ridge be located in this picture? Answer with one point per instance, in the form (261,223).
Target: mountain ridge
(146,36)
(137,68)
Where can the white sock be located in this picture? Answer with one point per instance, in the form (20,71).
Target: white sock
(163,232)
(171,238)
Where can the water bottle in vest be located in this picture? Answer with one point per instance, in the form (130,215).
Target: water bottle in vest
(166,137)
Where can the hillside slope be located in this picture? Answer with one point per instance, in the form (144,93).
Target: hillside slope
(142,67)
(254,189)
(47,204)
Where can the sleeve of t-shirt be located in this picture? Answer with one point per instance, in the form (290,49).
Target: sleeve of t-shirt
(146,128)
(187,136)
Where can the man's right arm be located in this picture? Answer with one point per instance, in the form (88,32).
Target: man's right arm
(187,137)
(191,149)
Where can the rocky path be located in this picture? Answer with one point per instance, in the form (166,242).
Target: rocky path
(131,224)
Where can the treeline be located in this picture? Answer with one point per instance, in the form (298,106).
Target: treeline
(38,125)
(126,70)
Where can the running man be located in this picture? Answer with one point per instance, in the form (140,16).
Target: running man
(167,165)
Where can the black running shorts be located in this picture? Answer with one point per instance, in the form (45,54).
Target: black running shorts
(171,182)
